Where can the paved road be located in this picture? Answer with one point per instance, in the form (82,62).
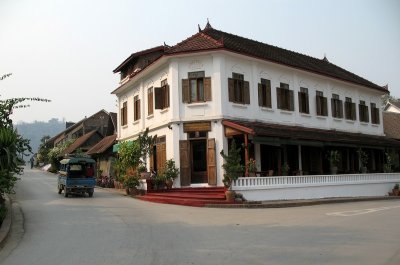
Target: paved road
(113,229)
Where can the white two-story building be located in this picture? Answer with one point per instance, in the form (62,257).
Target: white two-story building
(282,107)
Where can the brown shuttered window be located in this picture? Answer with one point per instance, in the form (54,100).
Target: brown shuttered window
(285,97)
(374,114)
(350,109)
(161,95)
(136,108)
(336,106)
(150,108)
(264,93)
(124,114)
(363,111)
(322,104)
(239,90)
(197,88)
(303,100)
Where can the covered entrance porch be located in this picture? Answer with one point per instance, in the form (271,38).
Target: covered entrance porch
(281,150)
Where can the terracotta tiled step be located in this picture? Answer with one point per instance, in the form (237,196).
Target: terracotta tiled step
(189,195)
(202,190)
(181,201)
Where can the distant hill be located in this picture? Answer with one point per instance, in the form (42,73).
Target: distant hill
(36,130)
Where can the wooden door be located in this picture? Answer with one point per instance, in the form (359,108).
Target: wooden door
(211,162)
(184,155)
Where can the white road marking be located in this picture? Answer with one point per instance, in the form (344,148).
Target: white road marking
(362,211)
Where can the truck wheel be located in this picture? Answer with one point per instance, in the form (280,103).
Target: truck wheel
(65,192)
(59,189)
(90,192)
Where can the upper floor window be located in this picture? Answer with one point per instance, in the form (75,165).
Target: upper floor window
(374,114)
(136,108)
(239,91)
(303,100)
(150,107)
(336,106)
(124,114)
(161,95)
(363,111)
(285,97)
(197,88)
(264,93)
(350,109)
(322,104)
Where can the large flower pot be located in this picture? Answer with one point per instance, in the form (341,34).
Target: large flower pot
(133,191)
(230,195)
(334,170)
(169,183)
(363,170)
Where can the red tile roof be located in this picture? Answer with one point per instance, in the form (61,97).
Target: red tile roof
(212,39)
(103,145)
(391,124)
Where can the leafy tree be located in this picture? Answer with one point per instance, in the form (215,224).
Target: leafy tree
(43,152)
(12,145)
(232,166)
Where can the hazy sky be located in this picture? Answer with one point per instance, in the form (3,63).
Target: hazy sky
(66,50)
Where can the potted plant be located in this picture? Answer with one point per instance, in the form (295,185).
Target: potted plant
(363,160)
(130,184)
(396,190)
(285,169)
(387,167)
(233,169)
(170,173)
(334,159)
(251,167)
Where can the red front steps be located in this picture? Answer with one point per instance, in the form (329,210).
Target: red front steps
(187,196)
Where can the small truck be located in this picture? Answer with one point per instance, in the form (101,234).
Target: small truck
(76,176)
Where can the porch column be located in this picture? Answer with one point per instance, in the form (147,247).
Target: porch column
(246,153)
(300,163)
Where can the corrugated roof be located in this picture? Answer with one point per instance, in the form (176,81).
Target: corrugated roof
(103,145)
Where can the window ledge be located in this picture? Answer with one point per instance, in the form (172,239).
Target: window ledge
(136,122)
(321,117)
(287,112)
(240,106)
(164,110)
(337,119)
(267,109)
(375,124)
(364,123)
(150,116)
(197,104)
(124,126)
(305,114)
(350,121)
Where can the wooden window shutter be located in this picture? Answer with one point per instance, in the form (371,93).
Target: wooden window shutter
(158,98)
(260,95)
(333,107)
(353,111)
(318,103)
(246,92)
(279,97)
(152,161)
(231,87)
(166,96)
(291,100)
(301,100)
(184,156)
(324,102)
(211,162)
(366,114)
(185,91)
(307,105)
(150,103)
(340,108)
(269,101)
(207,89)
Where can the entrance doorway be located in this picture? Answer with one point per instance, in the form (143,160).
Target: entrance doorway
(198,153)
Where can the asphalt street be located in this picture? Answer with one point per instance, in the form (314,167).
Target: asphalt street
(114,229)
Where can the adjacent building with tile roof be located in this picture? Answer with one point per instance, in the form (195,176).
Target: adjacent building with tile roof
(282,107)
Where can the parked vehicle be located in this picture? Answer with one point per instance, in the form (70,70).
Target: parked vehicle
(76,176)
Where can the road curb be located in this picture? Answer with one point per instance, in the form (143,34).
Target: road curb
(299,203)
(6,226)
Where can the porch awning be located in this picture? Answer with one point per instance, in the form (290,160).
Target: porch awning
(285,134)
